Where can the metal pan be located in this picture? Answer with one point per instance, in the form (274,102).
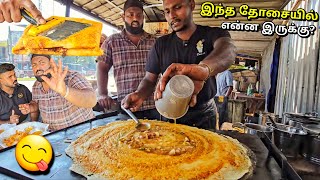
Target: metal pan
(255,129)
(312,128)
(317,120)
(299,115)
(289,139)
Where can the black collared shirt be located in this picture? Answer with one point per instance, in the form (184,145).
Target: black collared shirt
(170,49)
(21,95)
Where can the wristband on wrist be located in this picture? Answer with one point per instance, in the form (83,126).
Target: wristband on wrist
(209,69)
(67,92)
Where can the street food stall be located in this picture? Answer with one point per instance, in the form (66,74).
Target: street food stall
(60,140)
(270,162)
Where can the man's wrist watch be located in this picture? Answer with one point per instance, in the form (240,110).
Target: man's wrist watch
(210,70)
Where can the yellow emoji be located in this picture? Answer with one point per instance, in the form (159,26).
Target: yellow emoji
(34,153)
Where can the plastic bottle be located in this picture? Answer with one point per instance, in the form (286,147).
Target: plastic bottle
(250,90)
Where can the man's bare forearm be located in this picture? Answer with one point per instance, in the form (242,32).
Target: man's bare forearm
(103,85)
(102,77)
(34,108)
(222,56)
(229,91)
(34,116)
(82,97)
(147,85)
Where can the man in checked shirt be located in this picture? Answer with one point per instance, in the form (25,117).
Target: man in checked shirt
(63,98)
(127,52)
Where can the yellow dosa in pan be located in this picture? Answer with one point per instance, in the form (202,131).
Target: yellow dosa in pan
(166,151)
(82,43)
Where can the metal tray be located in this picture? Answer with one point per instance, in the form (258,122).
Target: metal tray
(312,129)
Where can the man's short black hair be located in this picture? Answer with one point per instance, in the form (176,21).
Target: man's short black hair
(5,67)
(35,55)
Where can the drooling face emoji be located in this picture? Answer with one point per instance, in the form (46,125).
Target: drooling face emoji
(34,153)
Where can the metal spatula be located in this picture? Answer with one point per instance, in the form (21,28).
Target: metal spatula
(59,32)
(140,126)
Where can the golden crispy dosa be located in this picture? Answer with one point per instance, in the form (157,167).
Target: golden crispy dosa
(166,151)
(82,43)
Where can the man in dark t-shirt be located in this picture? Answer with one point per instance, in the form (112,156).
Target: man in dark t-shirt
(197,51)
(11,95)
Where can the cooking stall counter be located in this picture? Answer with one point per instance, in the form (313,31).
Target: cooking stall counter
(59,140)
(61,163)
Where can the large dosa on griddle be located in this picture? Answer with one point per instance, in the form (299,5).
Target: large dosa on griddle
(166,151)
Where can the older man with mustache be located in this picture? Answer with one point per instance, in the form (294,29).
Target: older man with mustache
(11,95)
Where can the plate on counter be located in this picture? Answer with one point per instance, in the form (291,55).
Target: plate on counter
(4,127)
(14,134)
